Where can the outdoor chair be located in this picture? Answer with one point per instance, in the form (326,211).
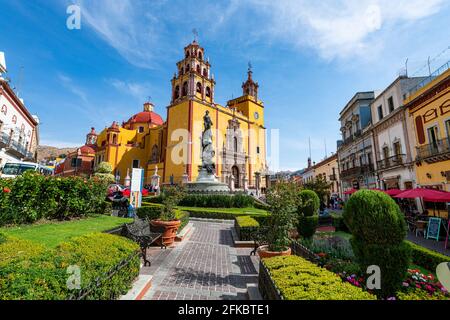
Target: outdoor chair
(421,227)
(141,232)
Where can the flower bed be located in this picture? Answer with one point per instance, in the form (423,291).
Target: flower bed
(335,254)
(294,278)
(108,265)
(245,226)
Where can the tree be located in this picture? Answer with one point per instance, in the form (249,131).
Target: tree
(104,172)
(320,186)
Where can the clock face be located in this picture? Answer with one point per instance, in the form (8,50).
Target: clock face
(256,115)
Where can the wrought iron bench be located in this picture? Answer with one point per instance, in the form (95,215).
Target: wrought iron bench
(260,238)
(143,233)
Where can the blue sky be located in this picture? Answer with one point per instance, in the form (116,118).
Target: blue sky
(308,57)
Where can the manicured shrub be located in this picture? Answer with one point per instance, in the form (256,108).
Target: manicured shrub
(378,230)
(216,201)
(308,213)
(339,222)
(31,197)
(310,203)
(299,279)
(426,258)
(306,226)
(28,272)
(206,213)
(245,227)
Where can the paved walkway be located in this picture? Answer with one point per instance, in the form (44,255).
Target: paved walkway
(204,266)
(429,243)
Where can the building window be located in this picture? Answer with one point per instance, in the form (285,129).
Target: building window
(433,137)
(380,112)
(257,150)
(141,129)
(198,69)
(176,94)
(235,144)
(185,89)
(75,162)
(205,72)
(200,55)
(447,127)
(208,92)
(135,163)
(391,104)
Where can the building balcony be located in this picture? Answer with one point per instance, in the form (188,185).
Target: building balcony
(397,160)
(357,171)
(14,148)
(434,152)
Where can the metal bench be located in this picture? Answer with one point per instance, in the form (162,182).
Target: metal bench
(260,238)
(143,233)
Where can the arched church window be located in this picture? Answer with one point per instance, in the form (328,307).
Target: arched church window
(199,87)
(205,72)
(114,139)
(208,92)
(187,68)
(200,55)
(187,53)
(176,93)
(198,69)
(155,154)
(181,71)
(185,89)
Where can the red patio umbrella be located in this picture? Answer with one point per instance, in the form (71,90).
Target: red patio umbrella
(351,191)
(393,192)
(421,193)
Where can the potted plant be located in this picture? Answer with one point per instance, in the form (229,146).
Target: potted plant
(167,218)
(283,200)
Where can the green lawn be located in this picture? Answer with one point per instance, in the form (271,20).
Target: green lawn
(50,234)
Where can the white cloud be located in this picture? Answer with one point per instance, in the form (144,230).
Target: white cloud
(127,26)
(140,91)
(68,84)
(342,29)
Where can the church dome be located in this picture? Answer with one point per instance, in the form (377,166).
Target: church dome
(146,116)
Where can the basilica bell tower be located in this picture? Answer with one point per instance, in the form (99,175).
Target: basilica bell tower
(193,79)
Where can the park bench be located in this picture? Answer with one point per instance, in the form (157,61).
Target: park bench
(144,234)
(259,237)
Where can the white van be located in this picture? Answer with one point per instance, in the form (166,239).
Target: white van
(14,169)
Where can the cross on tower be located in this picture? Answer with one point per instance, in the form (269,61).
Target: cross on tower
(195,33)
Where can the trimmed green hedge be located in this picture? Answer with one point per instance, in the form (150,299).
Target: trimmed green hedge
(338,222)
(211,200)
(28,272)
(426,258)
(31,197)
(217,214)
(299,279)
(245,226)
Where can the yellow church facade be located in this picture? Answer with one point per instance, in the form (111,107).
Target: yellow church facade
(174,146)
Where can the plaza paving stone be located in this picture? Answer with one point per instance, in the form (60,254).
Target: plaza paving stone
(204,266)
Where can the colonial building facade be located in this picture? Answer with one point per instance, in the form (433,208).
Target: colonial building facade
(392,141)
(173,147)
(19,134)
(355,151)
(429,108)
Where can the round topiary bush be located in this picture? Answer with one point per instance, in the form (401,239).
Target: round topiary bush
(379,229)
(310,203)
(308,213)
(375,217)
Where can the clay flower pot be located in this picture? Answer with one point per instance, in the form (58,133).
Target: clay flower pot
(263,252)
(170,231)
